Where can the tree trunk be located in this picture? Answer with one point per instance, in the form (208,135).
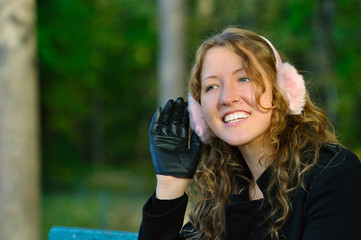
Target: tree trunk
(19,155)
(323,55)
(172,58)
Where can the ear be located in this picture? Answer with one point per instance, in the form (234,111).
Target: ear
(197,121)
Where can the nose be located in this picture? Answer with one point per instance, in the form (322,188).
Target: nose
(229,95)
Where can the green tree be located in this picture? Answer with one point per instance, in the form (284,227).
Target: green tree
(97,71)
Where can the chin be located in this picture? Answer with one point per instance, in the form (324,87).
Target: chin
(235,142)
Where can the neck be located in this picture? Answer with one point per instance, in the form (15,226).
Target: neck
(257,165)
(254,159)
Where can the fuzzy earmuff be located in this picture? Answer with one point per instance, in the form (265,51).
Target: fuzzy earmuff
(292,87)
(290,82)
(197,121)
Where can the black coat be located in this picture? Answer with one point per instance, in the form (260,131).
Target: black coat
(328,208)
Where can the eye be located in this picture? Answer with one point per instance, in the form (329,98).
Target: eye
(244,79)
(211,87)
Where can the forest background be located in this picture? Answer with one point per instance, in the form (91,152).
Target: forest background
(98,61)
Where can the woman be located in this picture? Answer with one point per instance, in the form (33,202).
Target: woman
(269,165)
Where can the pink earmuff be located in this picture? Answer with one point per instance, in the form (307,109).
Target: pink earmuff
(291,84)
(197,121)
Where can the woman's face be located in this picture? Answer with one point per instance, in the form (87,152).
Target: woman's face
(228,99)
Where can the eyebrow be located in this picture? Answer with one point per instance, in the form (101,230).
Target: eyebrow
(239,70)
(215,76)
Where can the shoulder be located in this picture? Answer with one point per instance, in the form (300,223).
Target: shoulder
(335,156)
(336,165)
(332,192)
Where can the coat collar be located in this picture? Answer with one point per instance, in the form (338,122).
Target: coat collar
(262,182)
(264,179)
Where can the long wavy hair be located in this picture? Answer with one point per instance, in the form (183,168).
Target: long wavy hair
(222,170)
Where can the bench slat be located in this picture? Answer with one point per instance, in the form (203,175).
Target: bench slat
(71,233)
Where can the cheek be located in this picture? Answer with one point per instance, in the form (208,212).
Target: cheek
(266,99)
(249,96)
(205,105)
(208,107)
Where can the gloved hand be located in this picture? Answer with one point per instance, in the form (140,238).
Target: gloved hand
(168,135)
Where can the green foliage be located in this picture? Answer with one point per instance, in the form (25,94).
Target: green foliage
(97,61)
(97,65)
(97,73)
(347,36)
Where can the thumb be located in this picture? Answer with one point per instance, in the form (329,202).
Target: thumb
(195,145)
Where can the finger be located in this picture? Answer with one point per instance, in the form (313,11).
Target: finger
(194,151)
(185,122)
(177,117)
(154,125)
(195,143)
(166,116)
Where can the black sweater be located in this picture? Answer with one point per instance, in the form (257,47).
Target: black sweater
(328,208)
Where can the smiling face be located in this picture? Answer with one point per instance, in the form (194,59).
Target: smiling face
(228,99)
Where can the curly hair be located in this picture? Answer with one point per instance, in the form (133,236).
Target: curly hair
(222,170)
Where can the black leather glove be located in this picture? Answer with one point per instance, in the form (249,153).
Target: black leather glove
(168,135)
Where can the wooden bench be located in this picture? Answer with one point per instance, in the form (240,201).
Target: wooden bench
(70,233)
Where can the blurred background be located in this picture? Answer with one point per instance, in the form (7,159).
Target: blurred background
(96,70)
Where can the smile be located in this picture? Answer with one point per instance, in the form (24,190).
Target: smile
(234,117)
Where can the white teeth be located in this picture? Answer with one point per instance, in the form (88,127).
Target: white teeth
(235,117)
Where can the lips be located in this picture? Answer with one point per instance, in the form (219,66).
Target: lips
(235,116)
